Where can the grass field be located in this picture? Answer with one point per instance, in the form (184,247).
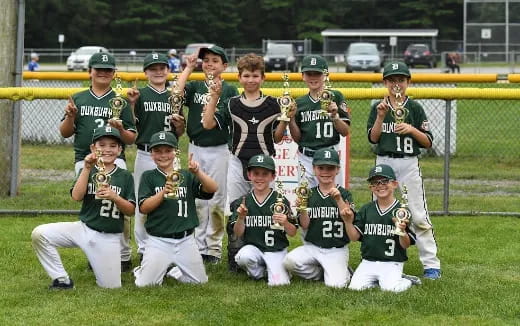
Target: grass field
(480,286)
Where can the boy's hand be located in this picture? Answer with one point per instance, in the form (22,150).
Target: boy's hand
(280,218)
(118,124)
(106,192)
(403,128)
(168,188)
(242,209)
(335,194)
(90,160)
(401,223)
(71,110)
(292,110)
(193,166)
(216,89)
(333,109)
(382,109)
(191,60)
(347,214)
(177,121)
(133,94)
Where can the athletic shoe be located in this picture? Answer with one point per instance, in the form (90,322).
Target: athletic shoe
(412,278)
(432,273)
(213,260)
(61,283)
(126,266)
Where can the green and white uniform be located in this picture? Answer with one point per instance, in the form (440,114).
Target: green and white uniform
(383,256)
(97,233)
(401,153)
(317,131)
(210,149)
(170,231)
(264,248)
(324,254)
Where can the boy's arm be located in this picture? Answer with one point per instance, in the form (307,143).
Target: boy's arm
(375,132)
(240,214)
(151,203)
(294,129)
(80,187)
(208,118)
(191,62)
(347,215)
(67,124)
(208,184)
(340,125)
(418,135)
(404,240)
(279,132)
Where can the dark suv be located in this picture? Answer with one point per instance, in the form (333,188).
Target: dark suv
(419,54)
(280,56)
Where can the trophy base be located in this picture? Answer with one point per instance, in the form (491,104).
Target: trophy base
(170,196)
(115,120)
(283,118)
(277,226)
(398,232)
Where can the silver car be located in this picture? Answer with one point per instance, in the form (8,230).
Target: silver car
(363,57)
(78,60)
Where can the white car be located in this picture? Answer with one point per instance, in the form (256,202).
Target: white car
(78,60)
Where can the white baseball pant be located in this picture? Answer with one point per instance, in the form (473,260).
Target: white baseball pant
(257,263)
(311,262)
(386,274)
(101,249)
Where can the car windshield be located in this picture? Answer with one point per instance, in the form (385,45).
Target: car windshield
(362,49)
(279,49)
(88,50)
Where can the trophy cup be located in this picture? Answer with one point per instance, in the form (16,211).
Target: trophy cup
(117,103)
(326,96)
(176,100)
(206,98)
(279,206)
(285,101)
(400,112)
(101,177)
(174,177)
(302,191)
(402,214)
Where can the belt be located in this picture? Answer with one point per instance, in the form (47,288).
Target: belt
(144,147)
(178,235)
(200,145)
(394,155)
(306,151)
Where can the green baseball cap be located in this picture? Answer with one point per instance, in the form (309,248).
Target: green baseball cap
(154,58)
(396,68)
(102,60)
(325,156)
(163,138)
(314,63)
(106,131)
(381,170)
(216,50)
(261,161)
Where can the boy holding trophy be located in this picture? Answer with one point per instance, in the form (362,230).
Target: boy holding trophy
(107,194)
(263,219)
(324,255)
(383,233)
(399,128)
(171,219)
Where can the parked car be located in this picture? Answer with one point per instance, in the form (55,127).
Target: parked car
(78,60)
(280,56)
(419,54)
(190,49)
(362,56)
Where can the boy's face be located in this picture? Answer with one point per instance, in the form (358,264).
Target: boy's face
(393,80)
(157,74)
(260,178)
(382,187)
(163,156)
(212,63)
(110,148)
(313,79)
(101,76)
(251,80)
(326,174)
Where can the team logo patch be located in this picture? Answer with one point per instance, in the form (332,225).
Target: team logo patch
(260,159)
(253,120)
(162,136)
(313,61)
(379,169)
(425,125)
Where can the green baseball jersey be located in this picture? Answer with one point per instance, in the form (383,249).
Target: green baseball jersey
(317,131)
(375,227)
(258,222)
(102,214)
(326,228)
(393,143)
(172,215)
(153,113)
(195,91)
(94,112)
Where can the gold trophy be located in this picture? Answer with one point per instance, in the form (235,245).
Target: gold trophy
(286,100)
(206,98)
(302,191)
(101,177)
(175,177)
(326,96)
(117,103)
(402,214)
(279,206)
(400,112)
(176,100)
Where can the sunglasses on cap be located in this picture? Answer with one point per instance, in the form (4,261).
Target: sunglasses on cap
(382,182)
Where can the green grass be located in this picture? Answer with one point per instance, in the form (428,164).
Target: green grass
(479,286)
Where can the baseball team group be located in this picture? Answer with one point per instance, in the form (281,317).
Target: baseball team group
(181,215)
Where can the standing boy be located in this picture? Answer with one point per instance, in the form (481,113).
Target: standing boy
(253,217)
(310,128)
(209,147)
(153,113)
(171,221)
(100,228)
(383,252)
(398,145)
(324,255)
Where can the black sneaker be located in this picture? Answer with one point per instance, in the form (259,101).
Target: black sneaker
(209,259)
(126,266)
(61,284)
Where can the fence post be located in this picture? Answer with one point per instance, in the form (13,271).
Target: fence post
(447,152)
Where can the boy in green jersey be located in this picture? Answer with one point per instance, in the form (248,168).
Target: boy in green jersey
(101,222)
(171,221)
